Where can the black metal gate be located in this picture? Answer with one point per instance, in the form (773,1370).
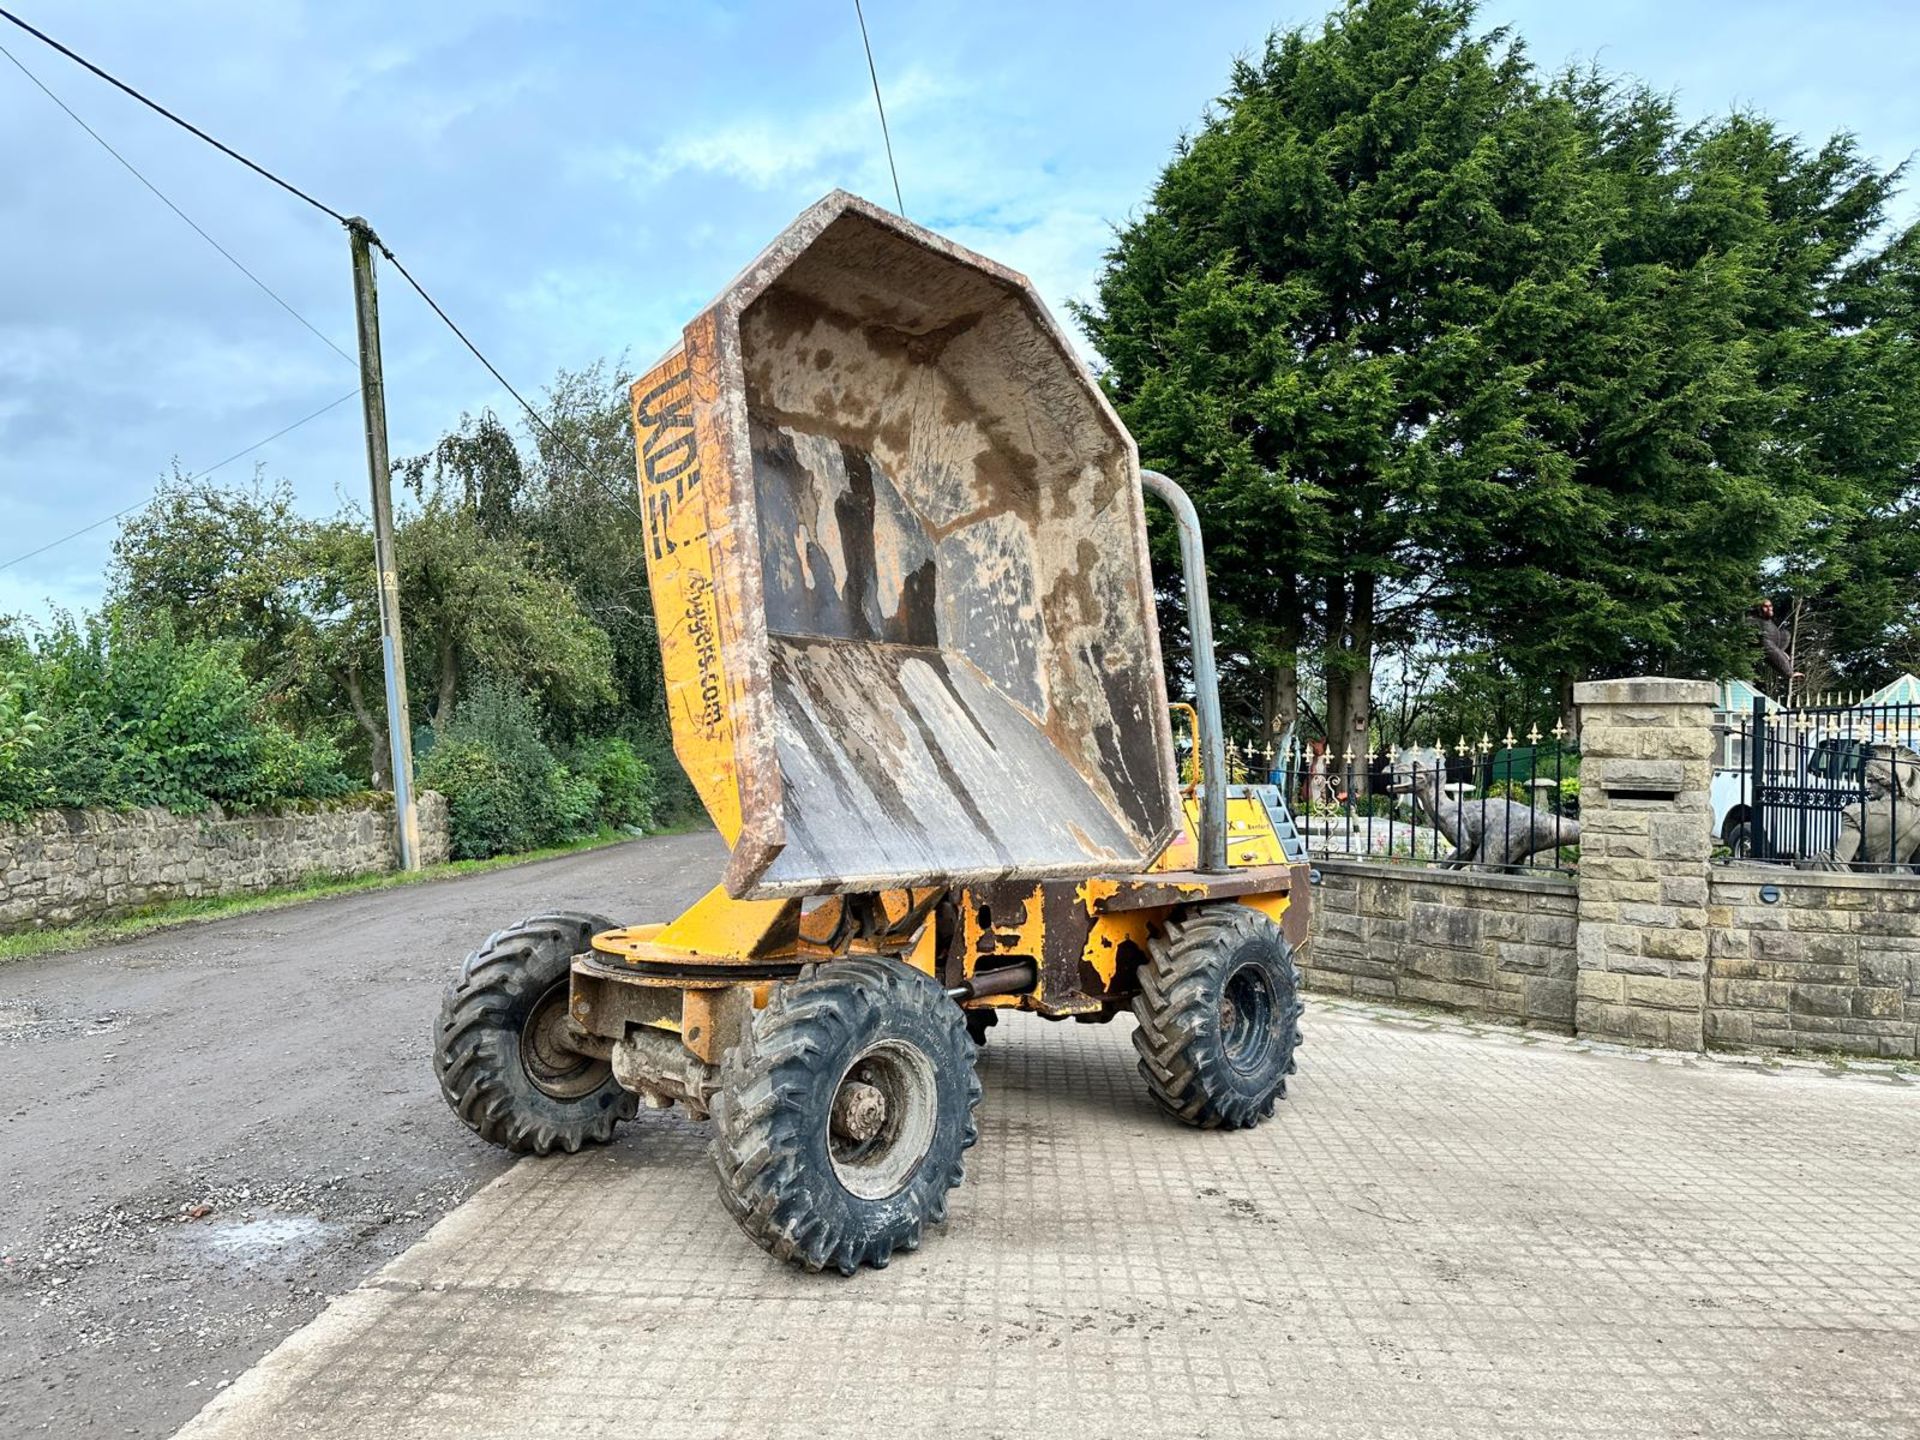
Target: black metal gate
(1838,785)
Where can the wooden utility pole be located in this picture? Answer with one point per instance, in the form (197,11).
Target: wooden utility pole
(373,402)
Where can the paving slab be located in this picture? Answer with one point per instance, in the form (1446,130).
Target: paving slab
(1444,1232)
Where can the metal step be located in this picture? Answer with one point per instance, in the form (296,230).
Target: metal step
(1291,840)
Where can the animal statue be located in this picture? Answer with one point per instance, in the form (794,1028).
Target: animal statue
(1775,643)
(1885,829)
(1484,831)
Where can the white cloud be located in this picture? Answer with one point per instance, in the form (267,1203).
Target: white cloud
(576,182)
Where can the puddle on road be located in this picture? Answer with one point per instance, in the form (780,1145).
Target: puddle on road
(262,1238)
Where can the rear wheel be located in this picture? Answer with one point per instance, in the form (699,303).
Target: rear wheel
(843,1114)
(501,1048)
(1219,1011)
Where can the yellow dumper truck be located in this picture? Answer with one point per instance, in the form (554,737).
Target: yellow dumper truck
(898,555)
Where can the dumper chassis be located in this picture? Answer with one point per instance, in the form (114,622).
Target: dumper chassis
(896,545)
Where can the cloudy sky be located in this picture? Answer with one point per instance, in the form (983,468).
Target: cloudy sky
(574,181)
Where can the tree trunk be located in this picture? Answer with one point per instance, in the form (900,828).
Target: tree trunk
(1280,708)
(1349,679)
(1280,703)
(449,683)
(378,749)
(1359,680)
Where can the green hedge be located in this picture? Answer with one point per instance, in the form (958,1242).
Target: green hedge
(507,790)
(105,713)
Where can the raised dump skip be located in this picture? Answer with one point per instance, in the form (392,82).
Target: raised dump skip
(904,602)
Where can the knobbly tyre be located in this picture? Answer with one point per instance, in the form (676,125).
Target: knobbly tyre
(897,548)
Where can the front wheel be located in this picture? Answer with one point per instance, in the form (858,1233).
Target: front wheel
(1219,1011)
(500,1048)
(843,1114)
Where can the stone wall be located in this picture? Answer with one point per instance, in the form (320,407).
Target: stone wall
(1814,961)
(68,865)
(1496,945)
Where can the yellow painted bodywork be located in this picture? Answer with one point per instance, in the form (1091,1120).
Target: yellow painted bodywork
(1109,933)
(1007,938)
(1250,836)
(672,409)
(719,927)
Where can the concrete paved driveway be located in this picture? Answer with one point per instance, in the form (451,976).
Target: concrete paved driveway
(1443,1233)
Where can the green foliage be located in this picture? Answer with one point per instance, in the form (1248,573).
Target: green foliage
(22,781)
(507,790)
(624,782)
(569,501)
(242,660)
(520,562)
(674,798)
(1452,351)
(110,712)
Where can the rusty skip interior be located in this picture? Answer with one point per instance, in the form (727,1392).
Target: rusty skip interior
(961,651)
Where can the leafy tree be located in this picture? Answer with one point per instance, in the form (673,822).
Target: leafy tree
(235,563)
(1328,319)
(1525,368)
(1718,389)
(569,494)
(298,597)
(1850,587)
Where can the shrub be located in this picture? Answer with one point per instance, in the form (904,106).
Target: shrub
(506,791)
(627,788)
(22,781)
(297,767)
(575,804)
(106,713)
(674,798)
(483,805)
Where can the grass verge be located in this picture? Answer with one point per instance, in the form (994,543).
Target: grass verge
(26,944)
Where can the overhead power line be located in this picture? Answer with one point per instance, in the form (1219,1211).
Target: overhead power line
(292,189)
(197,475)
(899,205)
(159,109)
(492,370)
(134,171)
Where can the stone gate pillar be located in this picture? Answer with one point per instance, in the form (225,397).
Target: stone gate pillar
(1646,823)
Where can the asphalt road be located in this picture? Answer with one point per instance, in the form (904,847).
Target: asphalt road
(206,1133)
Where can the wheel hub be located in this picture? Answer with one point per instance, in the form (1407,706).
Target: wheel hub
(549,1059)
(1247,1017)
(882,1120)
(859,1110)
